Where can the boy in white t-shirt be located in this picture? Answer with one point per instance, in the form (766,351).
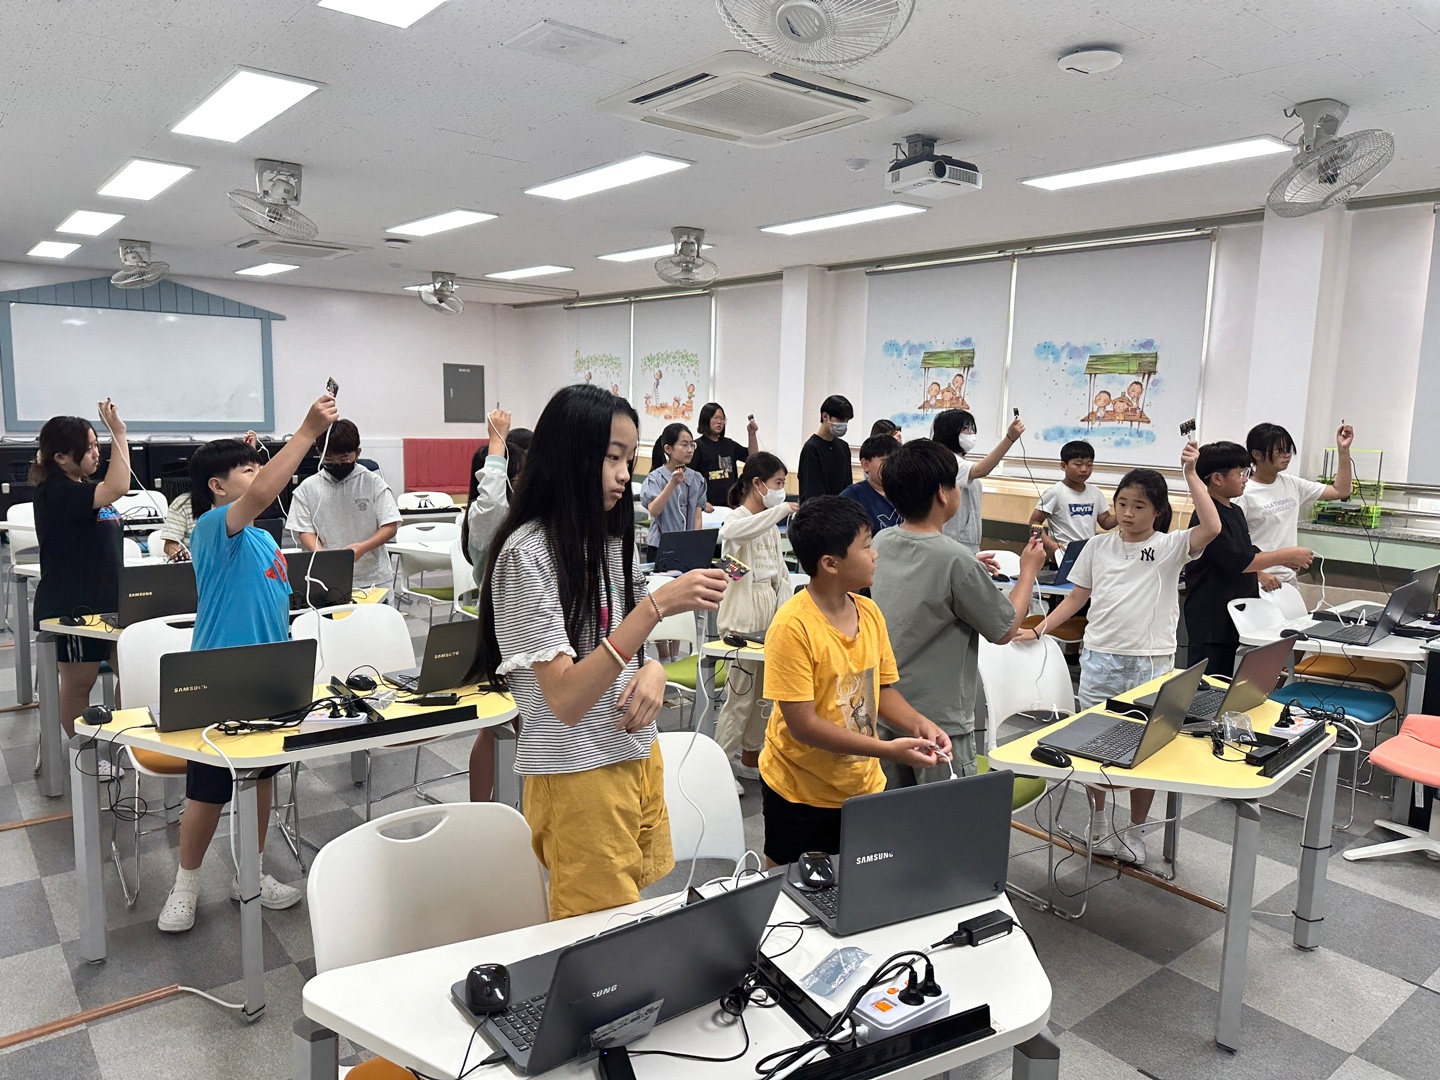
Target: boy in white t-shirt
(1074,509)
(1274,499)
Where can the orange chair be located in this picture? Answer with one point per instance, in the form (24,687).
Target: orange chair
(1413,755)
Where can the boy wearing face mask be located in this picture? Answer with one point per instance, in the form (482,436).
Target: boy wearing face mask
(346,505)
(825,457)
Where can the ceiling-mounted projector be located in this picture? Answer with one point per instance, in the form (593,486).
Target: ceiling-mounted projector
(923,172)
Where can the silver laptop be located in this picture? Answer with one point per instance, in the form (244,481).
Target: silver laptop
(1406,600)
(1113,740)
(1257,675)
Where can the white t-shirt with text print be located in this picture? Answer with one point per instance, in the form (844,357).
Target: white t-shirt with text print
(1134,592)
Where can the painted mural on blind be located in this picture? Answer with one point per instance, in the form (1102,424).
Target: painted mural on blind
(917,379)
(1105,391)
(669,380)
(600,369)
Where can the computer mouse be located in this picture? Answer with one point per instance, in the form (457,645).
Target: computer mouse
(487,989)
(361,683)
(1048,755)
(816,870)
(71,620)
(96,716)
(1291,632)
(1002,578)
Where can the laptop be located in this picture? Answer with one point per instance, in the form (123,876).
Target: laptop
(1113,740)
(686,551)
(1061,574)
(1406,600)
(247,682)
(1427,580)
(333,574)
(450,649)
(895,863)
(1255,678)
(152,592)
(667,965)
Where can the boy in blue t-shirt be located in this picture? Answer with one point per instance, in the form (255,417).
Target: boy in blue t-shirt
(870,492)
(244,599)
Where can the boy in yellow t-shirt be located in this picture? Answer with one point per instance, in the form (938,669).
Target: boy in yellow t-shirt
(830,670)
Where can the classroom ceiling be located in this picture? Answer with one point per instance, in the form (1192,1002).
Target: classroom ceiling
(416,121)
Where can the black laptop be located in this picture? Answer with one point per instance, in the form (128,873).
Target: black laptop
(1061,574)
(1114,740)
(563,1003)
(1406,601)
(1427,580)
(450,649)
(153,592)
(914,851)
(247,682)
(686,551)
(331,576)
(1255,679)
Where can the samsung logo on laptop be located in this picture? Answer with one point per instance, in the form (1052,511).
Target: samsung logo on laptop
(188,689)
(445,655)
(135,595)
(861,860)
(607,990)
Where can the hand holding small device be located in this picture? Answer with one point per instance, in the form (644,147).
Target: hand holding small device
(1187,428)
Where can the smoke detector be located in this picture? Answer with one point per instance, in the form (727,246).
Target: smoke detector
(1090,61)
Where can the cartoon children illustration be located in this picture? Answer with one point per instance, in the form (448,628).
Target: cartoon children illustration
(932,397)
(1102,406)
(957,393)
(658,376)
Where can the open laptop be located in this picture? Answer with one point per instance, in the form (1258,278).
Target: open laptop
(450,649)
(1061,574)
(672,963)
(686,551)
(247,682)
(1406,600)
(332,573)
(152,592)
(1255,678)
(1427,579)
(893,865)
(1113,740)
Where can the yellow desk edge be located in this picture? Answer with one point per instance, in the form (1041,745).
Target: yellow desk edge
(94,622)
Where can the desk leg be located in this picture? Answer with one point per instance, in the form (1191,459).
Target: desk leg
(357,767)
(316,1051)
(52,752)
(508,783)
(1173,808)
(252,950)
(1238,902)
(24,690)
(89,859)
(1315,851)
(1037,1058)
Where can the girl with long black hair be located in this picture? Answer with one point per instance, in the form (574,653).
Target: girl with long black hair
(564,616)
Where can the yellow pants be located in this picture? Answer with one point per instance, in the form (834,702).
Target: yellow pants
(603,834)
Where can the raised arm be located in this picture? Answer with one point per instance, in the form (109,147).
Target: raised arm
(1344,471)
(117,475)
(1209,527)
(986,465)
(271,479)
(752,430)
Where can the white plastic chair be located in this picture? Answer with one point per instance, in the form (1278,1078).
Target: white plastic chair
(409,565)
(467,597)
(710,786)
(424,500)
(380,890)
(20,519)
(1256,617)
(1024,676)
(1288,599)
(131,551)
(139,505)
(1009,561)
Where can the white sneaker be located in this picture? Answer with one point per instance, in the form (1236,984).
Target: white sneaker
(178,914)
(273,894)
(745,772)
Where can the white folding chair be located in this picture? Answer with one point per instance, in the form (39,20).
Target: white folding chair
(1288,599)
(424,500)
(411,565)
(714,830)
(1023,677)
(1009,561)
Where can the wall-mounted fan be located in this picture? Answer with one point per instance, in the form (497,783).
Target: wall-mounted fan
(1328,169)
(821,35)
(687,266)
(440,293)
(271,206)
(140,270)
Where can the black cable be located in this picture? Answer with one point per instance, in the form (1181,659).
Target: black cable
(738,1015)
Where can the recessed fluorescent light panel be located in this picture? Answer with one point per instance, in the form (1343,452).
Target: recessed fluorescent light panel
(88,223)
(1163,163)
(144,179)
(268,269)
(438,223)
(52,249)
(243,103)
(616,174)
(646,253)
(529,272)
(401,13)
(850,217)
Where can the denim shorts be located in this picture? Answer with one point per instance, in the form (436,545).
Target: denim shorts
(1103,675)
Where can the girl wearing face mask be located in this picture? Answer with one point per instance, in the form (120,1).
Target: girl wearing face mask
(954,429)
(751,535)
(346,505)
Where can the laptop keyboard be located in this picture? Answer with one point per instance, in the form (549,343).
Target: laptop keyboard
(1356,634)
(827,900)
(521,1022)
(1119,742)
(407,683)
(1206,702)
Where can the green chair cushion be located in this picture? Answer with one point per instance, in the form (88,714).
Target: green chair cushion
(439,592)
(1027,788)
(685,671)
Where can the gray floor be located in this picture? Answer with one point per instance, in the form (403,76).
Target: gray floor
(1134,980)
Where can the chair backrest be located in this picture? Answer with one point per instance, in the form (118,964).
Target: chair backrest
(139,650)
(356,636)
(1256,617)
(701,764)
(21,513)
(1009,561)
(131,550)
(431,532)
(381,890)
(141,504)
(462,574)
(1288,599)
(1024,676)
(679,627)
(424,500)
(21,520)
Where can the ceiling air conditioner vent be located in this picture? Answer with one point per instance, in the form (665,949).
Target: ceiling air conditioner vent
(743,98)
(265,244)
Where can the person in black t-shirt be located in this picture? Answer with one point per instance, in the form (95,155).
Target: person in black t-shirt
(825,458)
(81,542)
(1228,567)
(717,458)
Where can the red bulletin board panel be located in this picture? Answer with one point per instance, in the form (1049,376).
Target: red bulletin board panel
(440,464)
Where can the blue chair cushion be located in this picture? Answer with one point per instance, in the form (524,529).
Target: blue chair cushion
(1362,706)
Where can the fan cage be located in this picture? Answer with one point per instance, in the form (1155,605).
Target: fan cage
(819,35)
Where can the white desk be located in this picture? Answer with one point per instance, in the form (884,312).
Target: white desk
(400,1008)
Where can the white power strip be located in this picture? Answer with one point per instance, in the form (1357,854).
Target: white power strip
(882,1013)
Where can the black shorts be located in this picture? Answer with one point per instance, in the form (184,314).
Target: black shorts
(213,784)
(791,829)
(70,649)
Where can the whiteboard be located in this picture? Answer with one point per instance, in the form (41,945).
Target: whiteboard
(164,370)
(1136,313)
